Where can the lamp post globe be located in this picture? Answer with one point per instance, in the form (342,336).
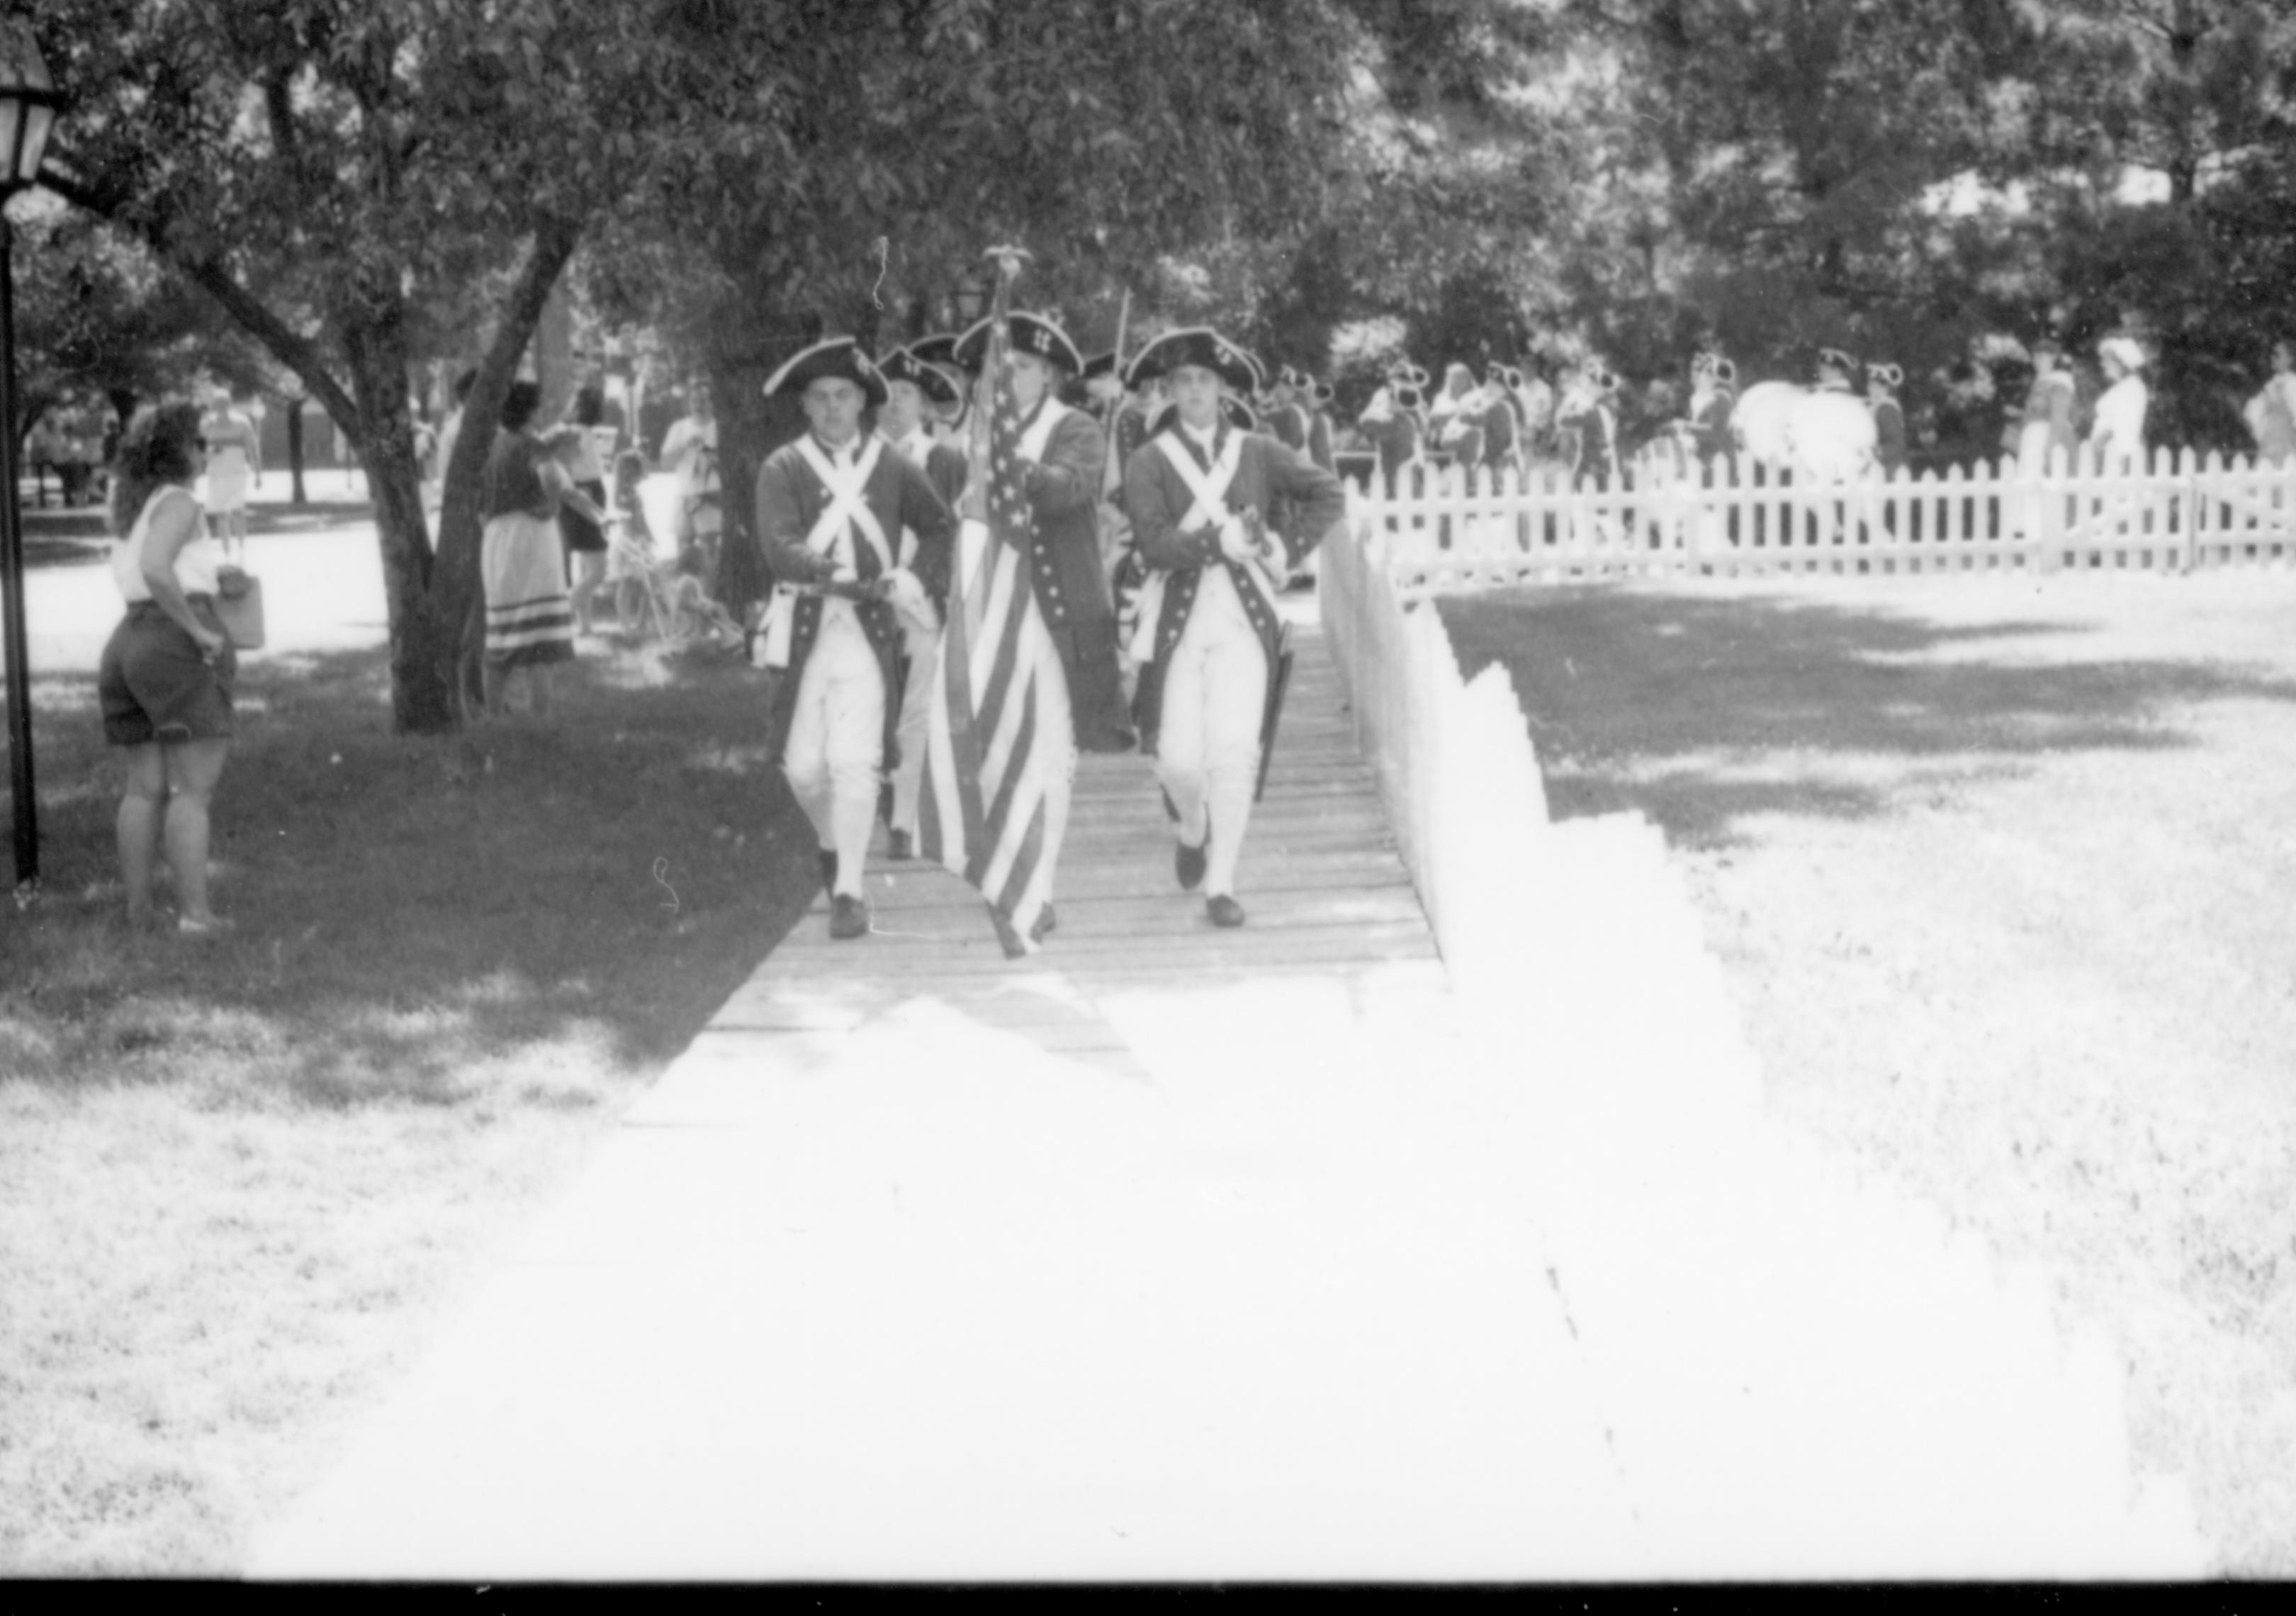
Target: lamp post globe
(28,113)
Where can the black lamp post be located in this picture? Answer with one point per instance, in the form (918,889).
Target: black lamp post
(28,110)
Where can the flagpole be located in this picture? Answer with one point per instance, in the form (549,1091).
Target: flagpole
(1111,474)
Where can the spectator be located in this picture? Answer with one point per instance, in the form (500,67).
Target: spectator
(234,464)
(521,565)
(2272,414)
(164,683)
(690,449)
(42,448)
(579,451)
(2118,433)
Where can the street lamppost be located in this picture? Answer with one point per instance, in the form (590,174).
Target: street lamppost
(28,110)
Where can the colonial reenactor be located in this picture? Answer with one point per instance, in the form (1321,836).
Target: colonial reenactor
(1065,452)
(1286,418)
(1390,421)
(916,395)
(1590,424)
(1882,384)
(939,351)
(1319,399)
(833,507)
(1200,493)
(1836,371)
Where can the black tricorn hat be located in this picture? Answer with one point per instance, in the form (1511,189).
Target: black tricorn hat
(1031,334)
(1198,345)
(902,364)
(838,358)
(939,349)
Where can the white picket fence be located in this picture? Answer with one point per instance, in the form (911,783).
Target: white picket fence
(1450,529)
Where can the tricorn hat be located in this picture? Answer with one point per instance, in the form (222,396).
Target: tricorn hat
(838,358)
(902,364)
(1833,358)
(1031,334)
(1198,345)
(938,349)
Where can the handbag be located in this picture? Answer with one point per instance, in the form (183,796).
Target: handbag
(239,607)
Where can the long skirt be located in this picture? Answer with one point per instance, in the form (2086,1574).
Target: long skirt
(529,618)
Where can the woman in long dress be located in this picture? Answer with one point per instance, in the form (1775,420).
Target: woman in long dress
(522,561)
(2044,426)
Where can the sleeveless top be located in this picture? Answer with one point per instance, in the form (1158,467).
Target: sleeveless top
(195,562)
(513,483)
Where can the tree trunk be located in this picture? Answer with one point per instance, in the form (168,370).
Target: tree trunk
(452,630)
(553,354)
(295,452)
(382,436)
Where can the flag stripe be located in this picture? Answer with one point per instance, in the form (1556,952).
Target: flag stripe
(985,812)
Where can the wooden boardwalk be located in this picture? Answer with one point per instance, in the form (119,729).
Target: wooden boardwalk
(1325,889)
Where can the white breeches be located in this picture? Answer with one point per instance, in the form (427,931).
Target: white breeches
(1208,747)
(835,740)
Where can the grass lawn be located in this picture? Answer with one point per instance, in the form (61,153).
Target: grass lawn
(2002,872)
(238,1178)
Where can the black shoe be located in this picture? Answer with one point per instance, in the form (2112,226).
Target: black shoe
(1188,864)
(1223,911)
(828,870)
(898,847)
(1118,739)
(1046,922)
(848,918)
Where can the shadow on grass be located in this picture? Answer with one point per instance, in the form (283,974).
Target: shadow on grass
(1703,712)
(526,914)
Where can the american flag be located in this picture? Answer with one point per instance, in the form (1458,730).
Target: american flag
(982,814)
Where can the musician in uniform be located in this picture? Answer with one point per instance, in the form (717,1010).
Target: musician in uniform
(1200,493)
(1589,423)
(916,396)
(1392,423)
(834,508)
(1286,418)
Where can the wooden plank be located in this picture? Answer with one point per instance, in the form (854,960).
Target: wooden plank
(919,903)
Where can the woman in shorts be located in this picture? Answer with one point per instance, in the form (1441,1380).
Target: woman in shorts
(164,683)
